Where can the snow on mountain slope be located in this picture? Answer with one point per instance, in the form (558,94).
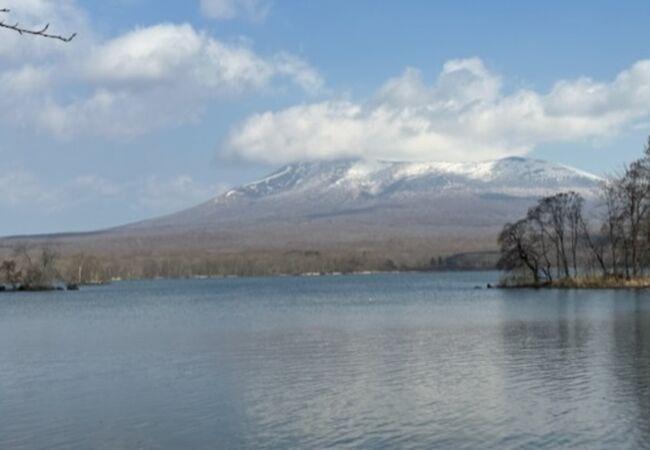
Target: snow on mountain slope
(520,177)
(345,197)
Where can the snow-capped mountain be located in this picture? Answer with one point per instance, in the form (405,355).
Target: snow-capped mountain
(350,179)
(361,201)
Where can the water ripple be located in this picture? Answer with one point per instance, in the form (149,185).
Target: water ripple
(311,364)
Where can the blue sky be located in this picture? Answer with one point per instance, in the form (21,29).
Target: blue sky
(161,104)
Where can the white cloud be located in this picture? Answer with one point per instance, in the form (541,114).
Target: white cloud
(153,77)
(299,71)
(463,115)
(255,10)
(25,80)
(178,54)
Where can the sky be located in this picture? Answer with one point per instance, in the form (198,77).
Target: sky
(159,105)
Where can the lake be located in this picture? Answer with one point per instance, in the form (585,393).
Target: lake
(399,361)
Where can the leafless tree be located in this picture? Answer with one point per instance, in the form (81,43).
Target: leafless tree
(37,265)
(42,32)
(519,248)
(596,245)
(575,203)
(550,236)
(559,218)
(634,192)
(11,273)
(612,227)
(536,216)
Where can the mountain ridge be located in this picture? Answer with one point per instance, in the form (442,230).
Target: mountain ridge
(311,190)
(363,171)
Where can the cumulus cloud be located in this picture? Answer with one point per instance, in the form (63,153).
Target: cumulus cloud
(150,77)
(464,115)
(255,10)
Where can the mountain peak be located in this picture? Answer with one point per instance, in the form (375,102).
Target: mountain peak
(349,178)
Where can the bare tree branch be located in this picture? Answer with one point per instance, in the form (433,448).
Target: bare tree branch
(38,32)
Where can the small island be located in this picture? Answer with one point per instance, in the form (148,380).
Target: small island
(33,270)
(567,242)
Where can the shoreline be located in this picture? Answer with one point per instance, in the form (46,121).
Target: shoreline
(585,283)
(66,287)
(78,286)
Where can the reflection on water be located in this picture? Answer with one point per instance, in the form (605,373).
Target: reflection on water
(382,362)
(631,365)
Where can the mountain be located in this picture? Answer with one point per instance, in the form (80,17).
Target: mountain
(407,212)
(398,195)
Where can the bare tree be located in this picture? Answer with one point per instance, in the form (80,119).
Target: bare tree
(575,202)
(596,245)
(42,32)
(536,216)
(11,273)
(21,250)
(37,266)
(549,237)
(559,216)
(519,249)
(634,192)
(612,226)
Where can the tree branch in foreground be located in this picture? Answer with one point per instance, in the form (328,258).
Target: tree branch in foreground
(39,32)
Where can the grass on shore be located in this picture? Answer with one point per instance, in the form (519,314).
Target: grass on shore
(588,282)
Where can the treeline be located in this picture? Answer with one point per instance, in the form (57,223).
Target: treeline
(467,261)
(252,263)
(556,242)
(39,267)
(33,266)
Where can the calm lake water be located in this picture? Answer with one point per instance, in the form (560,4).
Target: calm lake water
(375,362)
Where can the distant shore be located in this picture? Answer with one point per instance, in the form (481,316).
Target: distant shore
(64,287)
(77,286)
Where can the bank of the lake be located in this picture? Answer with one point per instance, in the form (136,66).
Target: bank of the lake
(594,282)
